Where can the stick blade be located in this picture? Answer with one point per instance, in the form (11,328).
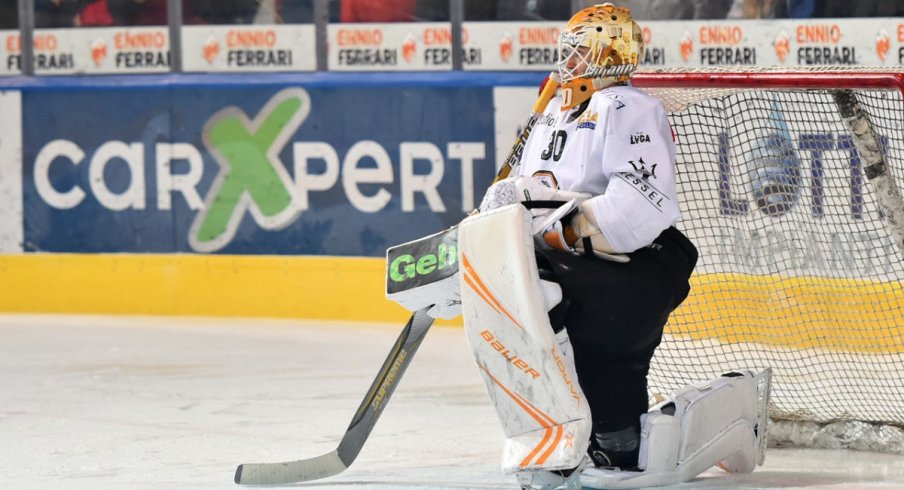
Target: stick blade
(291,471)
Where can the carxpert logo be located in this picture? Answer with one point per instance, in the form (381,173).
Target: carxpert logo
(175,172)
(252,178)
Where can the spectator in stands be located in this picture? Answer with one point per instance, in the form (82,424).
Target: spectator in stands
(302,11)
(861,8)
(221,12)
(56,13)
(382,11)
(801,9)
(124,13)
(807,9)
(438,10)
(9,15)
(772,9)
(154,12)
(138,12)
(535,10)
(675,9)
(95,14)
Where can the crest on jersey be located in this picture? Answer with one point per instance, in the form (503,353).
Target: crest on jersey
(588,120)
(640,181)
(641,167)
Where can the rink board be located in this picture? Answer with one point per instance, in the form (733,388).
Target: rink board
(232,195)
(332,288)
(133,210)
(326,288)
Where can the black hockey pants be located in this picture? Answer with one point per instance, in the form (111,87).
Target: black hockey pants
(614,314)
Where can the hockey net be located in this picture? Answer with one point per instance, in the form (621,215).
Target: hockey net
(799,267)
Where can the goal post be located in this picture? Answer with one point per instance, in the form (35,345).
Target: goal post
(789,185)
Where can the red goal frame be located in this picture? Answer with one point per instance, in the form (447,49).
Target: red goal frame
(770,79)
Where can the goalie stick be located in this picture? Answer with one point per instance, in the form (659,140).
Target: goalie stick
(514,157)
(880,179)
(377,396)
(363,422)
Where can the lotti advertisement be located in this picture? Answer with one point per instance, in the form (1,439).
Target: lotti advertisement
(791,196)
(250,170)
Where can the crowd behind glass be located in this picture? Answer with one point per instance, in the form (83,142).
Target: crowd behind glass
(86,13)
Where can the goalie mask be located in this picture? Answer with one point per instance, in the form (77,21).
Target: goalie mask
(600,46)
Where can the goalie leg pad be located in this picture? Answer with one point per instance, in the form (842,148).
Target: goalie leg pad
(544,414)
(719,422)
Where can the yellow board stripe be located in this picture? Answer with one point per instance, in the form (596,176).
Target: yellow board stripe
(796,312)
(206,285)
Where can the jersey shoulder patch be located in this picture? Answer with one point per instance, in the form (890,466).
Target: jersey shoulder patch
(622,97)
(634,117)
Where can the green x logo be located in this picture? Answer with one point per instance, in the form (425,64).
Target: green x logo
(252,177)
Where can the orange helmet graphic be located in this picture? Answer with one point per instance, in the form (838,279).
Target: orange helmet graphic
(600,41)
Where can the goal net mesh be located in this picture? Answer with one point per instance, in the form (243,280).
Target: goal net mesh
(797,269)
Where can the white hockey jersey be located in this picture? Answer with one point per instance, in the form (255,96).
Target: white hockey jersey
(620,149)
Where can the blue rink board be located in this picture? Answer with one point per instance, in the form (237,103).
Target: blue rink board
(82,195)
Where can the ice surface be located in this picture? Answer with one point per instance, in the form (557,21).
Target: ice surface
(176,403)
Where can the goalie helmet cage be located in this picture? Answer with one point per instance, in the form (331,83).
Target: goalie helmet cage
(798,224)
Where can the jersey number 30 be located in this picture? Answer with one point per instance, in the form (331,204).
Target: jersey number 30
(556,145)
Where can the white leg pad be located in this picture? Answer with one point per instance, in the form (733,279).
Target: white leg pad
(719,422)
(534,387)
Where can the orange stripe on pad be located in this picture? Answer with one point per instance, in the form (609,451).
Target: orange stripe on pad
(479,292)
(543,419)
(478,284)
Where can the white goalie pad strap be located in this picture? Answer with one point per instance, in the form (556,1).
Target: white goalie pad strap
(719,422)
(534,388)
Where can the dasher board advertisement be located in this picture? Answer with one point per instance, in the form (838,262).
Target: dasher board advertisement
(309,169)
(251,48)
(101,50)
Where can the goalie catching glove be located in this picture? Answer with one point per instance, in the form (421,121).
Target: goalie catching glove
(561,219)
(577,232)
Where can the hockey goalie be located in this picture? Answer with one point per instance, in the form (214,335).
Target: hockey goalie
(568,274)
